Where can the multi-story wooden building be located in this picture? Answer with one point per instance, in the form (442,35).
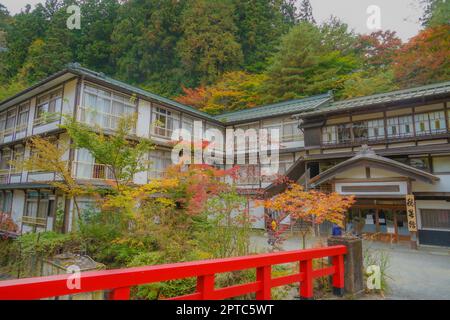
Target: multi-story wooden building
(323,145)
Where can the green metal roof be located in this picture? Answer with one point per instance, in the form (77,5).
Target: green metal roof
(388,97)
(277,109)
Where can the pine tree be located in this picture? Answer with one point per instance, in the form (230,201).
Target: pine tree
(304,66)
(260,25)
(144,44)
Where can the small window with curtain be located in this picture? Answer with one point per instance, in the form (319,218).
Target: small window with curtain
(329,135)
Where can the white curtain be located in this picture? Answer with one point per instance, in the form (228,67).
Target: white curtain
(85,164)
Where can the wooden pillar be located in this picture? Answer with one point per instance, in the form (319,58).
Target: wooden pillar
(396,226)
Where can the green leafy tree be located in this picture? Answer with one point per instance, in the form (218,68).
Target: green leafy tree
(27,26)
(260,25)
(144,43)
(5,21)
(363,84)
(93,47)
(122,155)
(437,12)
(209,45)
(309,62)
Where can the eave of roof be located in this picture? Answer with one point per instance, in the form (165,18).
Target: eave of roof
(371,157)
(297,106)
(437,89)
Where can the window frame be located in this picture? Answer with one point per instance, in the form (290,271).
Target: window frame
(158,112)
(164,157)
(45,99)
(96,113)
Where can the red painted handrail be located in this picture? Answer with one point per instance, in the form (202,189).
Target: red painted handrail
(119,281)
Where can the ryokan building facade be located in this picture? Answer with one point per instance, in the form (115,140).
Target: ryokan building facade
(383,149)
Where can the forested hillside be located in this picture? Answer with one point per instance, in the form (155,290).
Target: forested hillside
(220,55)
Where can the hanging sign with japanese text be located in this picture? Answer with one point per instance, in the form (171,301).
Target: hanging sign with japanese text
(411,212)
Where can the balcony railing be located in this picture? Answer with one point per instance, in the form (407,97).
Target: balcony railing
(35,221)
(12,132)
(90,171)
(105,120)
(45,119)
(383,139)
(119,281)
(4,176)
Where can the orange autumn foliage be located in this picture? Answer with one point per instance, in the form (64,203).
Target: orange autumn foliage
(311,206)
(425,58)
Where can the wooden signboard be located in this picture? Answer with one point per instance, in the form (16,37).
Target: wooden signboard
(411,213)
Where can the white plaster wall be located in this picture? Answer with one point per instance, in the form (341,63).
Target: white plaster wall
(69,98)
(353,173)
(144,119)
(443,185)
(31,116)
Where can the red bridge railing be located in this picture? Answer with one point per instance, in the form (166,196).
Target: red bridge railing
(120,281)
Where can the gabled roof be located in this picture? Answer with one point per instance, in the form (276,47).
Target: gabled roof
(441,88)
(277,109)
(368,158)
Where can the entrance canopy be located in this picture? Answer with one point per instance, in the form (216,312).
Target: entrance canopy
(370,174)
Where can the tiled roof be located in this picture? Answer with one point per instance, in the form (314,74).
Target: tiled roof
(389,97)
(282,108)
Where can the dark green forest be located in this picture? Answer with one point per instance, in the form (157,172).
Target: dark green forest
(220,55)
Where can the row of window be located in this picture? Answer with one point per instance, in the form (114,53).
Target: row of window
(288,129)
(14,121)
(105,108)
(394,127)
(86,167)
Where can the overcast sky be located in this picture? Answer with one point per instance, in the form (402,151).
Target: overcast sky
(398,15)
